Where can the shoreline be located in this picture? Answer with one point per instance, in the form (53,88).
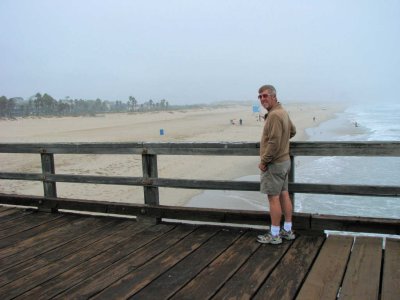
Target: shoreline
(196,125)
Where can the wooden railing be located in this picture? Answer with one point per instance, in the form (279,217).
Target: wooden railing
(151,182)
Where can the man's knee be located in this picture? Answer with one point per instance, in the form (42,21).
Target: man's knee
(273,198)
(284,195)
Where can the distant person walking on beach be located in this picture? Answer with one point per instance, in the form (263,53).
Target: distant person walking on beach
(275,166)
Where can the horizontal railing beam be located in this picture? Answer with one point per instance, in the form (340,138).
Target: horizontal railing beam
(346,189)
(302,221)
(74,148)
(219,149)
(355,224)
(376,148)
(309,188)
(136,148)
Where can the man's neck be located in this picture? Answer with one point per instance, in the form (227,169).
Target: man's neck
(274,105)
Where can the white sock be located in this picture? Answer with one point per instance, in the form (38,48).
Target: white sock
(275,230)
(287,226)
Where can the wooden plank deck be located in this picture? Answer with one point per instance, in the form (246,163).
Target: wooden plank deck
(65,256)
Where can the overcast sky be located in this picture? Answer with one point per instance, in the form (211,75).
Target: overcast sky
(200,51)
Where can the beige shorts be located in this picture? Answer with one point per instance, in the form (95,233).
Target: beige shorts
(275,179)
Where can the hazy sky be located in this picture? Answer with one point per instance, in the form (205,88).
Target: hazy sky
(200,51)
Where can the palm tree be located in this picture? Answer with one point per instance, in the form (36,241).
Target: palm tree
(37,100)
(151,104)
(3,105)
(132,103)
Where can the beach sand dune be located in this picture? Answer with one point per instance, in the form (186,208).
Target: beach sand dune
(208,124)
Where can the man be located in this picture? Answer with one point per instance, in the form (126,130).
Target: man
(275,166)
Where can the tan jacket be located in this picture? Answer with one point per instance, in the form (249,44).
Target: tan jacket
(278,129)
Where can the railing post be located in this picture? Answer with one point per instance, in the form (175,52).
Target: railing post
(291,177)
(50,189)
(151,194)
(149,164)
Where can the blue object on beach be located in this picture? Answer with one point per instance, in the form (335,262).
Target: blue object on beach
(161,131)
(256,108)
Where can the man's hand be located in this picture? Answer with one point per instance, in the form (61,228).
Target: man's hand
(263,167)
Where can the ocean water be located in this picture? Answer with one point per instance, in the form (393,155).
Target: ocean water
(374,123)
(365,123)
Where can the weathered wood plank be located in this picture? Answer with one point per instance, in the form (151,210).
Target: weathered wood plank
(114,226)
(64,273)
(47,241)
(136,280)
(11,214)
(219,148)
(391,270)
(21,176)
(4,208)
(325,278)
(109,242)
(150,170)
(20,200)
(174,279)
(252,274)
(361,280)
(345,148)
(375,148)
(207,283)
(48,167)
(153,183)
(110,252)
(27,222)
(73,148)
(285,280)
(206,184)
(346,189)
(15,240)
(132,260)
(356,224)
(300,220)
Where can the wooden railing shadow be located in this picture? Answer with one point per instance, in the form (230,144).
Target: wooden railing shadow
(150,182)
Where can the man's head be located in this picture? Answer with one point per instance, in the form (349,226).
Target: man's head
(267,96)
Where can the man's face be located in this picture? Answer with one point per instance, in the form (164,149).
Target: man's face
(267,99)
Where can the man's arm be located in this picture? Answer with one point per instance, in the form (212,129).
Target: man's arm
(274,133)
(292,129)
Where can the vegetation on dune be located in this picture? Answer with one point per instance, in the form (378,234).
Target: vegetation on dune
(46,105)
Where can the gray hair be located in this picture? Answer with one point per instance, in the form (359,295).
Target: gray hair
(268,87)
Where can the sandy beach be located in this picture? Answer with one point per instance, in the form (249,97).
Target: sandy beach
(208,124)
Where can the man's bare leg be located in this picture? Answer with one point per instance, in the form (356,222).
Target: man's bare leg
(275,210)
(286,205)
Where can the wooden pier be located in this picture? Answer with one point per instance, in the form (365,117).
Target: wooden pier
(49,251)
(67,256)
